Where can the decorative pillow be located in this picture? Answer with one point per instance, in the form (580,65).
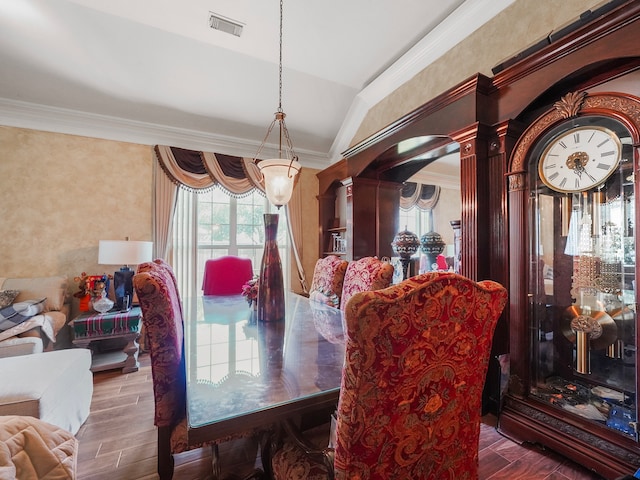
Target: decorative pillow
(7,297)
(53,288)
(19,312)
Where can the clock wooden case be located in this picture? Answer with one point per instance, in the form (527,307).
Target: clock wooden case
(573,380)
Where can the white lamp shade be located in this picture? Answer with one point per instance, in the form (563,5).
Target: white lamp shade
(124,252)
(279,176)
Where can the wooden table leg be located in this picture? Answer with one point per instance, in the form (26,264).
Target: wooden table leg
(132,348)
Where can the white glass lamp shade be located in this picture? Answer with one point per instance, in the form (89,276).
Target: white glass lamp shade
(279,176)
(124,252)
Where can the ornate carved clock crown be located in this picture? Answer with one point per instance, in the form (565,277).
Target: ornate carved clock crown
(571,106)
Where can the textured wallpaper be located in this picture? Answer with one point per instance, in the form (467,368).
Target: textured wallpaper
(61,194)
(514,29)
(447,209)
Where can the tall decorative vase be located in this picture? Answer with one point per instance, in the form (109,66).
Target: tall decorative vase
(271,290)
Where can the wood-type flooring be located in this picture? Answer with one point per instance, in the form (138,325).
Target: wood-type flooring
(118,442)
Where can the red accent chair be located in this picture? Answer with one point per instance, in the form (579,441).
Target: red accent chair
(328,277)
(410,402)
(226,275)
(368,273)
(157,291)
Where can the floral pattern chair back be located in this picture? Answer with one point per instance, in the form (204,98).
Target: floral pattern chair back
(417,356)
(159,299)
(368,273)
(162,316)
(226,275)
(328,277)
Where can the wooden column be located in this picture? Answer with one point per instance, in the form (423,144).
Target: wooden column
(475,191)
(501,144)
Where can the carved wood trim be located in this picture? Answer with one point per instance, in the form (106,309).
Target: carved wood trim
(569,105)
(517,181)
(572,105)
(572,431)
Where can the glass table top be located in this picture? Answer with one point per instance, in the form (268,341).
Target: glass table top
(238,368)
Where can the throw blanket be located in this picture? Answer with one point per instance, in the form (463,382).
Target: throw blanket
(31,449)
(44,321)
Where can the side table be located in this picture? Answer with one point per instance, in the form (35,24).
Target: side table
(96,327)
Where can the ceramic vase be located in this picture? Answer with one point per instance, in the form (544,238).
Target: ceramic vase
(271,291)
(405,244)
(432,246)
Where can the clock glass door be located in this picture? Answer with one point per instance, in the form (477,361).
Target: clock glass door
(582,282)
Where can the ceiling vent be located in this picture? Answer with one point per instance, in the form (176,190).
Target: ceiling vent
(218,22)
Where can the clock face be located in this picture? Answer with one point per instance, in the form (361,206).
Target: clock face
(580,158)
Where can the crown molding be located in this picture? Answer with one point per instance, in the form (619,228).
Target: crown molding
(466,19)
(61,120)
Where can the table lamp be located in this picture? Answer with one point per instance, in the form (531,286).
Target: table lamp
(123,252)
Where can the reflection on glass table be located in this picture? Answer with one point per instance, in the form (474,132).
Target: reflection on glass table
(244,374)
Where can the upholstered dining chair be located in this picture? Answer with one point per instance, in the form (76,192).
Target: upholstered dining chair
(410,401)
(368,273)
(328,277)
(157,291)
(226,275)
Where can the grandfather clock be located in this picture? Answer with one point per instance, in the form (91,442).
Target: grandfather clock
(573,379)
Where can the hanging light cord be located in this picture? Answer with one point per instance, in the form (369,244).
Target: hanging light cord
(279,116)
(280,67)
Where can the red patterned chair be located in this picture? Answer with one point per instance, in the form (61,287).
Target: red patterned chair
(226,275)
(410,402)
(156,287)
(368,273)
(328,277)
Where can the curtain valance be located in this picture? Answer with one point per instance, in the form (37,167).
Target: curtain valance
(201,171)
(425,197)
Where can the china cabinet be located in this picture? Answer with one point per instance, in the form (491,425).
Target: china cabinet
(547,213)
(573,382)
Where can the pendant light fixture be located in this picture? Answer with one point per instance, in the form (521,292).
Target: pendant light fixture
(279,173)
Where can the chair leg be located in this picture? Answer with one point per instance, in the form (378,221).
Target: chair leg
(165,457)
(215,461)
(268,444)
(217,468)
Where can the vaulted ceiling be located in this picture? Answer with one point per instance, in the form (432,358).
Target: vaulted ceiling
(156,72)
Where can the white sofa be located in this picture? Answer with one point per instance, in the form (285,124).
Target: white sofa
(41,332)
(55,387)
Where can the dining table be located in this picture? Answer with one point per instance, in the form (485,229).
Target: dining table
(244,374)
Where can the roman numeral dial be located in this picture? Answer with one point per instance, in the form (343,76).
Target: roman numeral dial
(580,158)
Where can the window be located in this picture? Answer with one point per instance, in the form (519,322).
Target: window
(213,224)
(416,220)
